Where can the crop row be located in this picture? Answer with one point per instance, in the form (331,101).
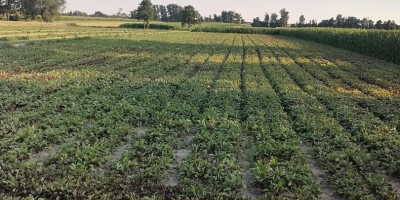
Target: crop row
(278,164)
(103,115)
(380,138)
(351,169)
(374,97)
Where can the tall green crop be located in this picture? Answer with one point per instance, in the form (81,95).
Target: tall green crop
(380,44)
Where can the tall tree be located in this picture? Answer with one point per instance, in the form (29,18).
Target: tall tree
(256,22)
(274,20)
(145,12)
(174,12)
(7,7)
(29,9)
(284,17)
(217,18)
(379,24)
(237,18)
(134,14)
(331,22)
(190,16)
(302,21)
(156,13)
(364,23)
(339,20)
(352,22)
(266,19)
(50,9)
(163,13)
(231,15)
(370,24)
(224,16)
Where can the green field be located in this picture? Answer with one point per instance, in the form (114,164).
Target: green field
(112,113)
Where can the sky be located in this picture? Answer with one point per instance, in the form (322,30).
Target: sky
(311,9)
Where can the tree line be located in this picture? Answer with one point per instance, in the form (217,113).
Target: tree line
(119,14)
(338,22)
(348,22)
(272,20)
(168,13)
(173,13)
(146,11)
(226,17)
(15,10)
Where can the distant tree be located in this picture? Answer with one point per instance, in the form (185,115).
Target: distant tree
(50,9)
(231,15)
(274,20)
(134,14)
(256,22)
(352,22)
(145,12)
(339,20)
(224,16)
(379,24)
(370,24)
(7,7)
(314,23)
(283,21)
(29,9)
(99,14)
(390,25)
(163,13)
(324,23)
(331,22)
(217,18)
(156,13)
(174,12)
(118,14)
(237,18)
(364,23)
(302,21)
(266,19)
(189,16)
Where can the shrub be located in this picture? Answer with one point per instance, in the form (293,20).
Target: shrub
(39,18)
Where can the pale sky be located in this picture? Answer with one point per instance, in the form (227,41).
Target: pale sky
(312,9)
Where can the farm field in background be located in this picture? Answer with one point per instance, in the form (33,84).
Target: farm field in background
(125,114)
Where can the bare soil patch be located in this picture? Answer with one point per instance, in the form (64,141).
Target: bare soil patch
(121,149)
(249,191)
(327,191)
(19,44)
(45,153)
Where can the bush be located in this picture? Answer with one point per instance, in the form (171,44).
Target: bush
(151,26)
(15,18)
(39,18)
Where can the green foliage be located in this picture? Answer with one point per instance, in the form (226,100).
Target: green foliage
(145,12)
(250,30)
(50,9)
(14,18)
(39,18)
(151,26)
(94,19)
(190,16)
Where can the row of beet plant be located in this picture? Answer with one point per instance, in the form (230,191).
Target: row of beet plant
(279,166)
(377,137)
(350,168)
(215,157)
(85,121)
